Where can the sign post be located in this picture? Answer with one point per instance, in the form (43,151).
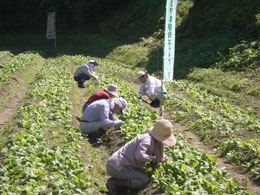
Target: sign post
(169,45)
(51,26)
(169,40)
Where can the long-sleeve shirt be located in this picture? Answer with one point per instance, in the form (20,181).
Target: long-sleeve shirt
(98,95)
(135,153)
(100,110)
(152,87)
(86,69)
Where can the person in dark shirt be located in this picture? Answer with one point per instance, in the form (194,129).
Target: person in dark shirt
(107,93)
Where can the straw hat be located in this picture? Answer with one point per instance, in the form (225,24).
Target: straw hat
(112,89)
(140,74)
(162,132)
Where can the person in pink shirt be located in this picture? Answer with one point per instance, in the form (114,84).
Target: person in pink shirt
(107,93)
(125,166)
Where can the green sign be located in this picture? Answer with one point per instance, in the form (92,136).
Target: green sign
(169,40)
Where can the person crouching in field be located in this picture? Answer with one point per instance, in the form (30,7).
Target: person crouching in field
(151,87)
(107,93)
(99,117)
(125,166)
(85,72)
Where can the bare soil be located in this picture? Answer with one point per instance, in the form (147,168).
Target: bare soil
(5,58)
(7,112)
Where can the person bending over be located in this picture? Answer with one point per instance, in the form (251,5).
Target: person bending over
(125,166)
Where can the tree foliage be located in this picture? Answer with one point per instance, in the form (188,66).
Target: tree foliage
(32,14)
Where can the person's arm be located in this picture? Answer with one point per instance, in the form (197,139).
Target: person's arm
(112,117)
(141,90)
(165,158)
(141,151)
(91,73)
(106,120)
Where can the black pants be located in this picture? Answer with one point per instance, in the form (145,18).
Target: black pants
(81,79)
(155,103)
(95,135)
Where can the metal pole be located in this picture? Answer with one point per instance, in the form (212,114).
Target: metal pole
(161,103)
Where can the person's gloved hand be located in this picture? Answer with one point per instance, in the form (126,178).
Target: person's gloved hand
(167,158)
(119,122)
(153,162)
(153,158)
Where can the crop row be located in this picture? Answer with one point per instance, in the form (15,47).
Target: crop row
(191,171)
(17,64)
(213,118)
(33,162)
(211,125)
(234,113)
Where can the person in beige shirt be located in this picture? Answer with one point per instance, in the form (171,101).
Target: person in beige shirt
(85,72)
(125,166)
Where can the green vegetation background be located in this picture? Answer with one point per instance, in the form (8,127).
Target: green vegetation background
(209,34)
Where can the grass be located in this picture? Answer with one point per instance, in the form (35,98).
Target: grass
(237,87)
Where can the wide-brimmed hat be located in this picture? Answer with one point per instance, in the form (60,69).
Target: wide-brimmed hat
(121,102)
(140,74)
(93,62)
(112,89)
(162,132)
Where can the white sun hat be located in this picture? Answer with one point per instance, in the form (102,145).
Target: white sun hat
(93,62)
(121,102)
(140,74)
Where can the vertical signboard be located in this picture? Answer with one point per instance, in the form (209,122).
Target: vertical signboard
(51,27)
(169,40)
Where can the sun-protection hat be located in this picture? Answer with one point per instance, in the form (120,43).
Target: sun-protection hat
(112,89)
(162,132)
(93,62)
(121,102)
(140,74)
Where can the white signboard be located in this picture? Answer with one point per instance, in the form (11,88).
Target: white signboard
(169,40)
(51,28)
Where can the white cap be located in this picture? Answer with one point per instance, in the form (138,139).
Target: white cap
(121,102)
(140,74)
(93,62)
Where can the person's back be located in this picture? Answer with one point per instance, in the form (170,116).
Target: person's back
(98,95)
(107,93)
(130,154)
(155,83)
(81,69)
(95,110)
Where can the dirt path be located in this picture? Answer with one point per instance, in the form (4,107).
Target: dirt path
(7,113)
(234,171)
(5,58)
(21,84)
